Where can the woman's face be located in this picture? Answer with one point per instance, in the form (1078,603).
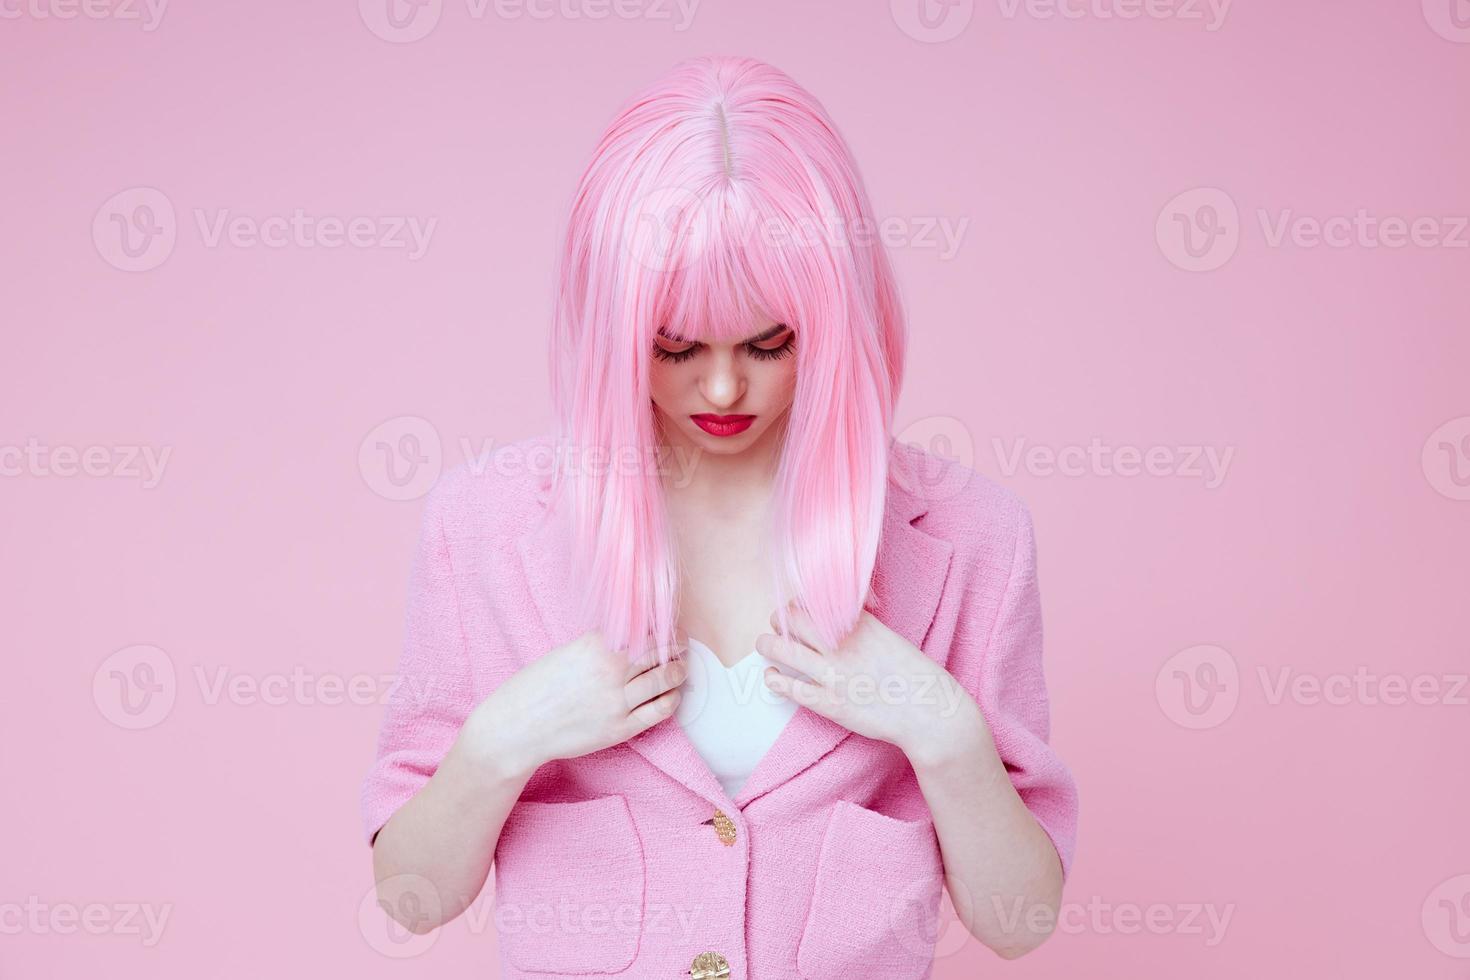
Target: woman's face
(722,397)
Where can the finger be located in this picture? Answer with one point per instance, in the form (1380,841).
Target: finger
(802,692)
(654,682)
(646,661)
(653,655)
(800,625)
(792,653)
(650,713)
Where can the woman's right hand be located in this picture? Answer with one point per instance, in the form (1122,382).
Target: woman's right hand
(580,697)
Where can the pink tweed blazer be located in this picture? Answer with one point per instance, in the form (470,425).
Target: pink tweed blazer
(826,865)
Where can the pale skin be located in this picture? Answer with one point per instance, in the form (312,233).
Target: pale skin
(438,848)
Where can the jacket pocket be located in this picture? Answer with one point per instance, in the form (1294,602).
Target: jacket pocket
(569,882)
(876,898)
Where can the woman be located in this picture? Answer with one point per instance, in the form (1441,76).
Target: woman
(727,352)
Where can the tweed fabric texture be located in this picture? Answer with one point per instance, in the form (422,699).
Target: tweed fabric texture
(607,865)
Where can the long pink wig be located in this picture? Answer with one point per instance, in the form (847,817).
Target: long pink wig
(720,193)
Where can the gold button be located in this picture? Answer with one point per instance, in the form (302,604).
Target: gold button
(708,966)
(724,827)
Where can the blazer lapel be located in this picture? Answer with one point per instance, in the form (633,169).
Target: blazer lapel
(908,580)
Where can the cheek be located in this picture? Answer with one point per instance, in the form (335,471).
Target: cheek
(665,382)
(778,382)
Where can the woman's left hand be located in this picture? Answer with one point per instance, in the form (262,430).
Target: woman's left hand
(876,683)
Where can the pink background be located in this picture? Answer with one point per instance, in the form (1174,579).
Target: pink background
(1331,834)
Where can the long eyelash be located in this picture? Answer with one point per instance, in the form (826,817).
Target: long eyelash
(759,353)
(675,356)
(775,354)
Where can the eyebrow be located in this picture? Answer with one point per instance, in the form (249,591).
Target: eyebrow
(775,331)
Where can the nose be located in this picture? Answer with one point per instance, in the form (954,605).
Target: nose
(724,383)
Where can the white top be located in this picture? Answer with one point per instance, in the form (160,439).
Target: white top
(729,714)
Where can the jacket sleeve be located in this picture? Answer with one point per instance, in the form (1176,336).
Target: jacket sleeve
(1000,664)
(433,690)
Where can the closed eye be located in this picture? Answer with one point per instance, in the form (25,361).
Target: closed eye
(675,356)
(752,347)
(773,353)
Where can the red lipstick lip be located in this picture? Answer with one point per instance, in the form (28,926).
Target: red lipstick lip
(722,425)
